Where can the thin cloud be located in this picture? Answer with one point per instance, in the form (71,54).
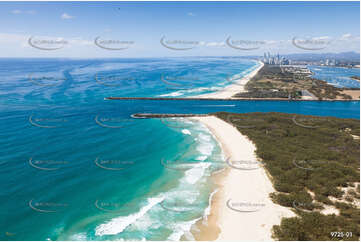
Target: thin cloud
(81,41)
(191,14)
(211,44)
(321,38)
(18,11)
(349,37)
(346,36)
(270,42)
(66,16)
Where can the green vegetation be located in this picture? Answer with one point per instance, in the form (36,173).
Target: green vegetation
(309,160)
(322,90)
(273,81)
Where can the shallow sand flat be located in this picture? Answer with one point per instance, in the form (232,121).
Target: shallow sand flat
(241,186)
(232,89)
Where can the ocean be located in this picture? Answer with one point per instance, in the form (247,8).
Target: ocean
(337,76)
(77,167)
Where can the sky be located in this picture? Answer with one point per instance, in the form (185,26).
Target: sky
(162,29)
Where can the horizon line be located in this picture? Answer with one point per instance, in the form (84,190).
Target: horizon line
(144,57)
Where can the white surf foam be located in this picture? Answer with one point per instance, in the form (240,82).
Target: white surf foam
(182,228)
(184,92)
(79,236)
(196,173)
(117,225)
(172,94)
(206,145)
(207,211)
(186,131)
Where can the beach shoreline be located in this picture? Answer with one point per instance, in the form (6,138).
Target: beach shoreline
(230,90)
(242,187)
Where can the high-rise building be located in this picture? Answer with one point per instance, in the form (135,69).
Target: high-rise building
(274,60)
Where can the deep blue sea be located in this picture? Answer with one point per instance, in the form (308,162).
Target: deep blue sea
(78,167)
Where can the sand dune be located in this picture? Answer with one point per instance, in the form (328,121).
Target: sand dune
(250,213)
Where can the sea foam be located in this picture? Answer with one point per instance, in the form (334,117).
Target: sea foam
(117,225)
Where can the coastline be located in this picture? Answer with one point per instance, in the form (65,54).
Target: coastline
(232,89)
(229,91)
(241,186)
(226,99)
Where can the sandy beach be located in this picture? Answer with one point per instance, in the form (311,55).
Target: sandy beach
(232,89)
(241,209)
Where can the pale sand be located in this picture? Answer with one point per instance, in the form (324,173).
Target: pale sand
(232,89)
(252,186)
(355,94)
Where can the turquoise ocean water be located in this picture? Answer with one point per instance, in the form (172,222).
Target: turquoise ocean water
(77,167)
